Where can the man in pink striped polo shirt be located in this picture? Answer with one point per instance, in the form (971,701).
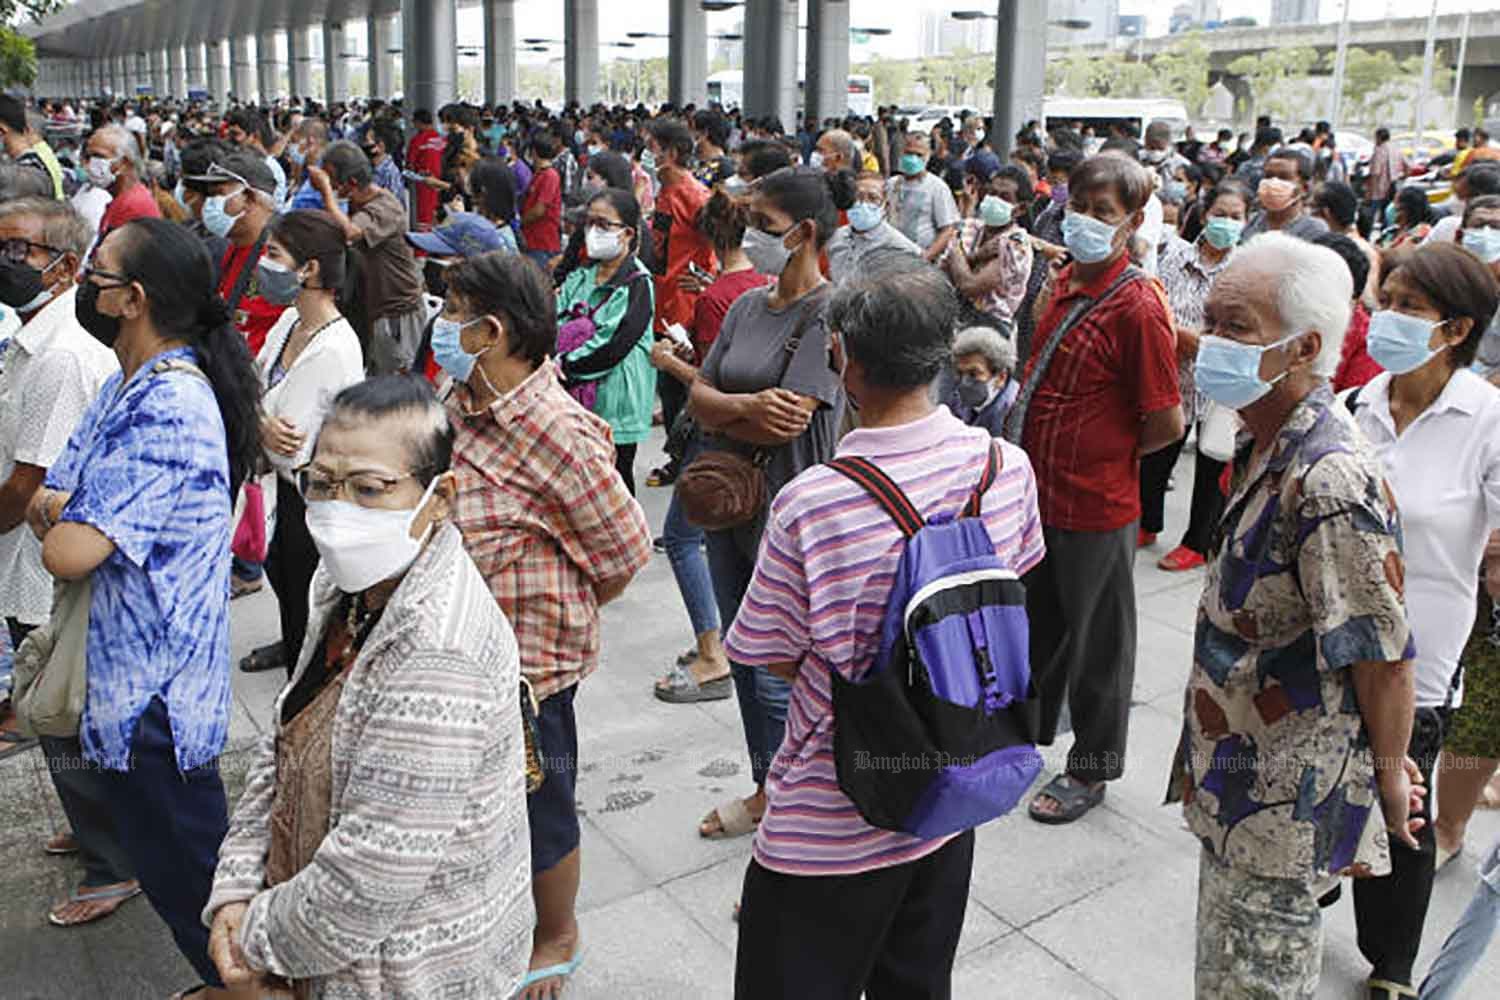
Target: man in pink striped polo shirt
(833,906)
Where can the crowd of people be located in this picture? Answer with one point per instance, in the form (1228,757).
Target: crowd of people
(403,368)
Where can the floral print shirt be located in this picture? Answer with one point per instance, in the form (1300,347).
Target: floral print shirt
(1274,768)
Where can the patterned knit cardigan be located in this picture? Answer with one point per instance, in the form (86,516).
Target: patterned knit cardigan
(422,886)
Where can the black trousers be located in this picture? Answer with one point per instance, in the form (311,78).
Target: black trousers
(625,465)
(888,934)
(85,800)
(291,559)
(674,396)
(1156,472)
(1389,912)
(1081,602)
(1207,504)
(171,823)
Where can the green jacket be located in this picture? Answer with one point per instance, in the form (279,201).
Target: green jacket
(618,356)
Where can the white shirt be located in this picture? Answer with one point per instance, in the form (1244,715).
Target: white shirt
(1151,231)
(91,203)
(330,363)
(279,174)
(52,371)
(1445,472)
(1445,230)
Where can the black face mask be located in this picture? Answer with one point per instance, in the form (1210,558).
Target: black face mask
(435,277)
(105,329)
(21,285)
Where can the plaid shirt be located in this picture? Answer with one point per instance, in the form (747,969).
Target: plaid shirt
(546,517)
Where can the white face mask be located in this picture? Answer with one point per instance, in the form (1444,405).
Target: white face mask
(602,244)
(361,546)
(101,171)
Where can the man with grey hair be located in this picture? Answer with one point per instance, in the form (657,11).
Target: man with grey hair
(375,227)
(1292,766)
(836,151)
(983,391)
(113,161)
(51,371)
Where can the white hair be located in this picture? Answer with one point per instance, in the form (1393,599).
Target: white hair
(125,147)
(1313,289)
(998,351)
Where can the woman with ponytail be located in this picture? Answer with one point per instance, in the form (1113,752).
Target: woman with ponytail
(139,504)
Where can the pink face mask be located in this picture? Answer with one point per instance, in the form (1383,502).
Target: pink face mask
(1276,195)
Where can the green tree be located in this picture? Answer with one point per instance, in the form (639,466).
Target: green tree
(1273,77)
(1182,71)
(17,60)
(1367,80)
(892,79)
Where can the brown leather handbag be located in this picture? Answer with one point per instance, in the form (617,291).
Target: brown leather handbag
(723,489)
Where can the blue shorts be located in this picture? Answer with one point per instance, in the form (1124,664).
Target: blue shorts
(552,809)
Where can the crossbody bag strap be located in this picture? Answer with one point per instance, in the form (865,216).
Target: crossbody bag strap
(1015,423)
(248,271)
(883,490)
(810,314)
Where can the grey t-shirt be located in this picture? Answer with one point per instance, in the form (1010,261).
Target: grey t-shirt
(920,207)
(747,357)
(847,248)
(1304,227)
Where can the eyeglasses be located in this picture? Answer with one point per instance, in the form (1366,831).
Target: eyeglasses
(17,250)
(594,220)
(115,280)
(364,488)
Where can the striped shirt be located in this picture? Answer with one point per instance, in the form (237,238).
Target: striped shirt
(818,598)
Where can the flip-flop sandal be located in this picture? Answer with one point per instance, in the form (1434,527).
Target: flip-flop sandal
(734,821)
(562,971)
(191,991)
(684,689)
(60,845)
(80,896)
(687,657)
(1445,856)
(12,743)
(1074,799)
(1384,989)
(1490,797)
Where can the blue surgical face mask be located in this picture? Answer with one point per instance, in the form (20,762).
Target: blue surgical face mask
(1399,343)
(995,211)
(1228,372)
(215,219)
(1223,233)
(1088,240)
(864,216)
(912,164)
(448,349)
(1483,243)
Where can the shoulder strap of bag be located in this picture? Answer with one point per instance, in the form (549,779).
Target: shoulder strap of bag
(883,490)
(624,284)
(1015,423)
(992,468)
(178,365)
(248,271)
(810,313)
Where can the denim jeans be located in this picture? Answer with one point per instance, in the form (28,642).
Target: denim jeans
(684,545)
(1466,945)
(761,694)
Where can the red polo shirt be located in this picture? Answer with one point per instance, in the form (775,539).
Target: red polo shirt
(424,155)
(1110,371)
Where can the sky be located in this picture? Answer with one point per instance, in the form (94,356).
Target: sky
(543,19)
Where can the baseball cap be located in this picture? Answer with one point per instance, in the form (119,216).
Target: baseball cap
(247,168)
(463,235)
(983,164)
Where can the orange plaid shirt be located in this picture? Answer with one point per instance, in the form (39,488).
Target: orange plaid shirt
(546,517)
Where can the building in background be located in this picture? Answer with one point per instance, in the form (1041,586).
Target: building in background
(1103,17)
(941,35)
(1294,11)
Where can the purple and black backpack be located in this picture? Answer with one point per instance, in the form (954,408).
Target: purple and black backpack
(938,735)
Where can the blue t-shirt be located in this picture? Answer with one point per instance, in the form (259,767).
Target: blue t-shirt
(147,467)
(306,196)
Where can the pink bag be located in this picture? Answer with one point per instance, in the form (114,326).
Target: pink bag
(249,541)
(573,334)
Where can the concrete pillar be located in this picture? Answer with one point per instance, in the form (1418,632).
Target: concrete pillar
(1477,82)
(770,61)
(196,76)
(116,65)
(241,67)
(429,53)
(176,71)
(383,34)
(687,53)
(299,61)
(827,73)
(1020,69)
(499,51)
(335,70)
(1244,97)
(217,72)
(268,63)
(159,86)
(581,51)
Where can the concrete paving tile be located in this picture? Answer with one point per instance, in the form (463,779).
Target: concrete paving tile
(608,873)
(648,948)
(1017,967)
(1163,659)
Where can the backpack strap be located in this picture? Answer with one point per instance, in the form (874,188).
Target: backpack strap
(992,467)
(886,494)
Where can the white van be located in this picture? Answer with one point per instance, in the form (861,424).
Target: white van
(1102,112)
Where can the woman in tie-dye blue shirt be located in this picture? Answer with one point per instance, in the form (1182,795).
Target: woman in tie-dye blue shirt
(140,504)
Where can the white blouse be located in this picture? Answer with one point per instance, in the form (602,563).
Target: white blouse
(330,363)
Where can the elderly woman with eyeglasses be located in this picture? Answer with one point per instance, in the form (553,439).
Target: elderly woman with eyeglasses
(379,848)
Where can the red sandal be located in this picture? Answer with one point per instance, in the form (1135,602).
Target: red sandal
(1179,559)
